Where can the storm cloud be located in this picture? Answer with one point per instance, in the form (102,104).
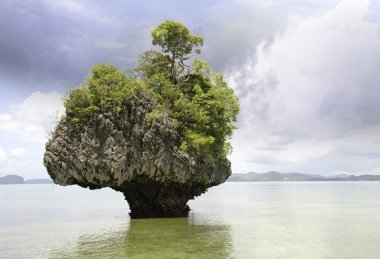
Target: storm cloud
(50,45)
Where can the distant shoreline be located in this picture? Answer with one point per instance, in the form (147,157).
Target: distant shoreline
(299,177)
(16,179)
(247,177)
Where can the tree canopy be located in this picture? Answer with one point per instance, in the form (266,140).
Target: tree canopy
(176,41)
(197,99)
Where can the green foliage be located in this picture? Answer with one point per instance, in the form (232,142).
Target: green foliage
(155,115)
(177,43)
(201,68)
(106,88)
(200,103)
(77,103)
(208,117)
(152,63)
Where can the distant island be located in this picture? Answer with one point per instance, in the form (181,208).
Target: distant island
(283,177)
(247,177)
(16,179)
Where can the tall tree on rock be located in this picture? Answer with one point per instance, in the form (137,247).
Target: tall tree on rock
(178,44)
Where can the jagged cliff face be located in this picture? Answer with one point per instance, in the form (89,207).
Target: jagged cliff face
(133,154)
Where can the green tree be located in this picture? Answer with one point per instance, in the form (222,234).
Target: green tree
(177,43)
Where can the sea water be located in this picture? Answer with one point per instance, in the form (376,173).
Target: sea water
(232,220)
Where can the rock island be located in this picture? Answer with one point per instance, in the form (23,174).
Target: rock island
(158,133)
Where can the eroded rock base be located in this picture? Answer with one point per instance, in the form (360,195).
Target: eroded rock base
(157,200)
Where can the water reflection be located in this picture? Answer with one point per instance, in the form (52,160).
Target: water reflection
(193,237)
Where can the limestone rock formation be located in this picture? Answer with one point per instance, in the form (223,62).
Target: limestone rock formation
(157,133)
(137,156)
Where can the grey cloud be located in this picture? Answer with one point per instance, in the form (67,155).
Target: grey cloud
(255,96)
(235,28)
(373,14)
(317,90)
(49,49)
(353,111)
(35,44)
(50,45)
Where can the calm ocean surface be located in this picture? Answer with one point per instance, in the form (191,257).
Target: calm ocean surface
(233,220)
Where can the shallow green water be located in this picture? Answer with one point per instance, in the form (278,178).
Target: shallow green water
(234,220)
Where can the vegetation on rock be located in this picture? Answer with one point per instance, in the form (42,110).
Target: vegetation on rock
(194,106)
(198,100)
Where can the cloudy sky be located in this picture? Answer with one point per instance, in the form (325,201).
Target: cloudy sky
(307,73)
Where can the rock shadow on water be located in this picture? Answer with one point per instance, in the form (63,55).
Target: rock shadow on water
(190,237)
